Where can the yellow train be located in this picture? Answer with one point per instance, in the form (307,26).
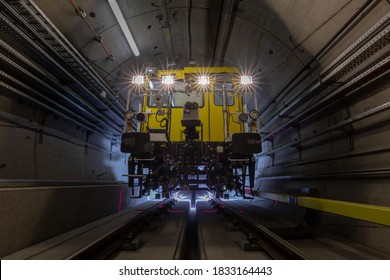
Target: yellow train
(193,129)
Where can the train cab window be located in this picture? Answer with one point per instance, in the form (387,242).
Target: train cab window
(179,95)
(181,98)
(152,100)
(218,87)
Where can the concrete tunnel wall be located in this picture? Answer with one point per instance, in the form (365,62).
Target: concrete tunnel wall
(32,149)
(35,145)
(344,163)
(333,164)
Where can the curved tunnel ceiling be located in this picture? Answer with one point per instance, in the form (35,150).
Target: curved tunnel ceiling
(274,40)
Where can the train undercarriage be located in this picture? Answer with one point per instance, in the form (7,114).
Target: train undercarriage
(191,165)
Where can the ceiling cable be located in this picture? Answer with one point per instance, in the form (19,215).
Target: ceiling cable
(98,38)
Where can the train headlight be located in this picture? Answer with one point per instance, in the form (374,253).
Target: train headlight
(246,80)
(168,80)
(129,115)
(203,80)
(254,115)
(243,117)
(138,80)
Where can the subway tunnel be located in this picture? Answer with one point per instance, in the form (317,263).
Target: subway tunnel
(321,79)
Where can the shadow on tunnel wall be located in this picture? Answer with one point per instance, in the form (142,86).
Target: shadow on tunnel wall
(51,185)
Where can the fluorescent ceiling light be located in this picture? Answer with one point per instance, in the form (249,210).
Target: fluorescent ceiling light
(246,80)
(123,25)
(167,80)
(203,80)
(139,80)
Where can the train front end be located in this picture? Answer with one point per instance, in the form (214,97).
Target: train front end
(191,129)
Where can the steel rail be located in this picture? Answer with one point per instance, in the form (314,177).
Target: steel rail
(115,236)
(89,241)
(180,243)
(275,246)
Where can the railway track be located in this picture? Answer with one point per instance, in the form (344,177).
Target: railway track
(95,240)
(169,229)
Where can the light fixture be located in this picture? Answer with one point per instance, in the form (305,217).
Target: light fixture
(129,115)
(246,80)
(203,80)
(151,71)
(243,117)
(168,80)
(141,117)
(123,25)
(138,80)
(254,114)
(158,100)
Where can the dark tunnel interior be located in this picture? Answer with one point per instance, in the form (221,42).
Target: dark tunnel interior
(291,139)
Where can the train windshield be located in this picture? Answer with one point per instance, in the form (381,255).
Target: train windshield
(178,92)
(219,88)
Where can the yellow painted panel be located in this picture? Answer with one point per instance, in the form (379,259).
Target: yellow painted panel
(205,70)
(151,120)
(177,130)
(366,212)
(216,121)
(210,114)
(360,211)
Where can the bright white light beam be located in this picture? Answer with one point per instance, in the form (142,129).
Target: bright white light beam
(167,80)
(246,80)
(138,80)
(203,80)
